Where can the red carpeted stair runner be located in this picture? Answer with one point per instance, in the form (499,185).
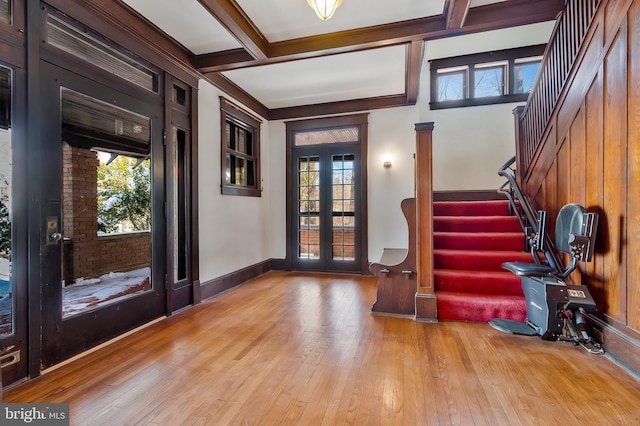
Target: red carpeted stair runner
(471,241)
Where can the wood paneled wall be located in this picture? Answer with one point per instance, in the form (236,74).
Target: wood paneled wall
(590,154)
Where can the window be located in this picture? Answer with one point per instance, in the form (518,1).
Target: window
(452,84)
(524,74)
(240,151)
(489,80)
(484,78)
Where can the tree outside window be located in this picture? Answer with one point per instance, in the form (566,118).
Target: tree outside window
(124,194)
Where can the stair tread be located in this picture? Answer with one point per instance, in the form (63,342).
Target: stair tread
(480,307)
(462,272)
(484,296)
(482,234)
(478,240)
(472,208)
(483,253)
(478,282)
(481,260)
(476,224)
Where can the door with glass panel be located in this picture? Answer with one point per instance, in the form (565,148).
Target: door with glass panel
(326,208)
(103,261)
(13,226)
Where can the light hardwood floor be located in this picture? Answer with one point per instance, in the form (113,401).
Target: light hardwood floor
(293,348)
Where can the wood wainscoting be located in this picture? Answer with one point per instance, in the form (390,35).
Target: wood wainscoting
(590,154)
(303,348)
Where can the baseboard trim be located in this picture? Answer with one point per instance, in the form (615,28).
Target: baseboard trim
(468,195)
(221,284)
(620,347)
(426,308)
(279,265)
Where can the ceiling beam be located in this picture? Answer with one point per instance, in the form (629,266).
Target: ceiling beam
(339,107)
(359,39)
(458,19)
(511,14)
(333,43)
(457,12)
(415,57)
(233,18)
(223,61)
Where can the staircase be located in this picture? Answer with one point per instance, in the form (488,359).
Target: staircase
(471,240)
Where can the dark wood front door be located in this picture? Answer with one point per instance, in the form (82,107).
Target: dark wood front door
(102,254)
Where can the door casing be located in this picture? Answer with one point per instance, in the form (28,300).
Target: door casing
(359,120)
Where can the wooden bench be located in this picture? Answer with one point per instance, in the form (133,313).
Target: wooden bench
(396,271)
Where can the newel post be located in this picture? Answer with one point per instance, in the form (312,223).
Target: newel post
(518,113)
(426,308)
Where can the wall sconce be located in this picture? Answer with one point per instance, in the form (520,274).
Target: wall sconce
(387,164)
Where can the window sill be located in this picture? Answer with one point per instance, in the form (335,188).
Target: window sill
(520,97)
(241,191)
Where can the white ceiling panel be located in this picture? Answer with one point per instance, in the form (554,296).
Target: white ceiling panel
(289,19)
(356,75)
(187,22)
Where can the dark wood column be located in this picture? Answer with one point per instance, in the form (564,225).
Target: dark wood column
(426,309)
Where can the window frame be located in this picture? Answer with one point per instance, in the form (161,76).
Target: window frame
(230,113)
(476,62)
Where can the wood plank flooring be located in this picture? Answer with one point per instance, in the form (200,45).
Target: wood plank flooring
(304,349)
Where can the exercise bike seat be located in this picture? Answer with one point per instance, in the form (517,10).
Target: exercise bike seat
(524,269)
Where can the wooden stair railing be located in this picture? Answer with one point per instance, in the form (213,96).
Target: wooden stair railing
(556,67)
(405,276)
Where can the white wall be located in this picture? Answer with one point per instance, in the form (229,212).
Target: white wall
(391,137)
(234,230)
(470,144)
(278,175)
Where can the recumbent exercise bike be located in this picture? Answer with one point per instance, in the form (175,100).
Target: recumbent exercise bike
(556,310)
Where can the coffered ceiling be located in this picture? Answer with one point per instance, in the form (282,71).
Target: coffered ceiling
(278,56)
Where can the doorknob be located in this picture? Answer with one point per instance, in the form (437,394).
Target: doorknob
(53,234)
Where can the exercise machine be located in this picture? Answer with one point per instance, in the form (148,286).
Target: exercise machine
(556,310)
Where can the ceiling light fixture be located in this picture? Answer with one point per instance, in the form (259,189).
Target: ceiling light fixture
(324,8)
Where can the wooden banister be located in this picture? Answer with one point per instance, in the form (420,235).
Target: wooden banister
(556,66)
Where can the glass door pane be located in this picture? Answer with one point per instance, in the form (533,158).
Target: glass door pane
(343,207)
(6,283)
(179,217)
(106,203)
(309,208)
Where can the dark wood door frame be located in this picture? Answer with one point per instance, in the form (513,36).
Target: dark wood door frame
(292,127)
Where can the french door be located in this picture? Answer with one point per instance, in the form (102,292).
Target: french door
(102,254)
(327,194)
